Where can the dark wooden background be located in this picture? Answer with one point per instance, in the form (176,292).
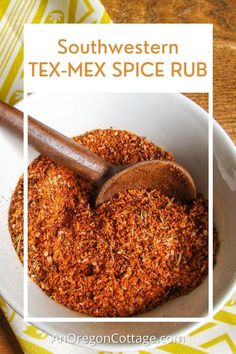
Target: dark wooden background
(222,13)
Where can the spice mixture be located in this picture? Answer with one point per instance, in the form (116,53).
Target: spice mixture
(127,256)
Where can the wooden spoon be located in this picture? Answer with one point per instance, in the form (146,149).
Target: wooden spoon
(168,177)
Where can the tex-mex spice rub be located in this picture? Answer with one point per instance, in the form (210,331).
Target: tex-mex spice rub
(129,255)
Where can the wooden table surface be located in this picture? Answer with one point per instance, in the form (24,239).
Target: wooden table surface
(223,15)
(8,341)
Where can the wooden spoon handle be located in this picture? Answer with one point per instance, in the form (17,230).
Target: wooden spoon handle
(55,145)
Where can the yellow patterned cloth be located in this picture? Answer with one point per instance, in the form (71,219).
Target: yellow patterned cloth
(13,15)
(215,337)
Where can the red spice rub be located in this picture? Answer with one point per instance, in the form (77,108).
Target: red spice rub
(127,256)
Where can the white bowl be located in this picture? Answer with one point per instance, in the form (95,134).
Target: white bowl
(170,120)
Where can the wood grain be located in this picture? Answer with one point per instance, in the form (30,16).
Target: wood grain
(8,341)
(222,13)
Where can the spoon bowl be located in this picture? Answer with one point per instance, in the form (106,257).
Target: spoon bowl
(168,177)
